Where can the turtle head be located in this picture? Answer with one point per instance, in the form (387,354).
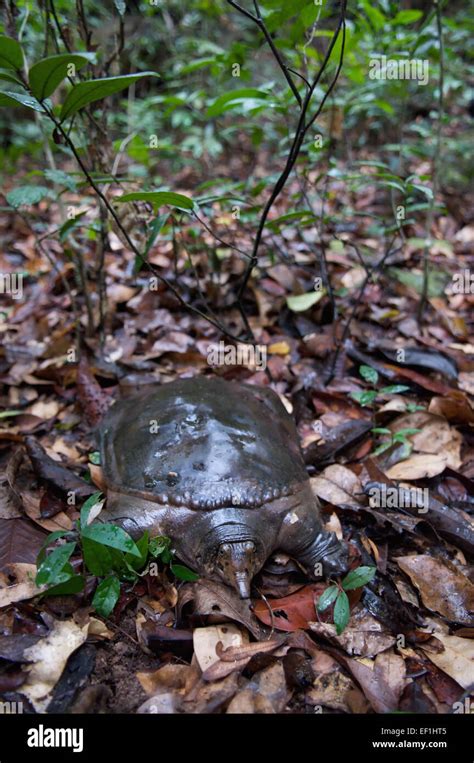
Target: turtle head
(236,562)
(230,545)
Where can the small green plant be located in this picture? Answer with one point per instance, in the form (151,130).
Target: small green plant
(397,437)
(369,396)
(108,552)
(336,594)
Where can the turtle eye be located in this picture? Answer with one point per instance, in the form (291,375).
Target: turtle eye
(249,546)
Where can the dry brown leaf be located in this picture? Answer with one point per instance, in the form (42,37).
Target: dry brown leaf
(457,660)
(247,702)
(382,681)
(418,467)
(205,641)
(165,678)
(442,587)
(279,348)
(337,692)
(49,657)
(466,381)
(364,636)
(337,484)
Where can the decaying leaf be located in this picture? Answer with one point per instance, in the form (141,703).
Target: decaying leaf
(382,681)
(364,636)
(442,587)
(49,657)
(337,484)
(290,612)
(418,467)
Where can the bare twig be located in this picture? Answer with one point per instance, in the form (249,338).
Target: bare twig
(301,130)
(345,333)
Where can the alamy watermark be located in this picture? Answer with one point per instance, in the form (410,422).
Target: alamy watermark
(462,283)
(394,497)
(250,355)
(381,67)
(11,708)
(12,283)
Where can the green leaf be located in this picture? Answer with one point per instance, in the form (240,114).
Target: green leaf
(159,198)
(234,98)
(50,539)
(342,612)
(407,432)
(87,507)
(155,231)
(69,225)
(364,398)
(61,178)
(407,17)
(381,430)
(9,98)
(73,584)
(382,448)
(54,563)
(96,89)
(26,195)
(111,535)
(106,596)
(94,458)
(11,53)
(7,414)
(158,544)
(437,280)
(376,17)
(300,302)
(183,573)
(8,76)
(358,578)
(327,598)
(46,75)
(369,374)
(142,545)
(99,559)
(394,389)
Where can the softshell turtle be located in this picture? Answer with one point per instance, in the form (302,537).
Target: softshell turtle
(217,467)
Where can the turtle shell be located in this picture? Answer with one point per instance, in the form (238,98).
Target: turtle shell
(203,443)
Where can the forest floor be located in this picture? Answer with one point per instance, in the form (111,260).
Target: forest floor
(409,641)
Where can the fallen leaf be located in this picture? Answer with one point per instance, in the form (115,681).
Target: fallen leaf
(205,641)
(364,636)
(337,692)
(418,467)
(442,587)
(279,348)
(457,660)
(382,681)
(290,612)
(337,485)
(54,472)
(49,657)
(220,601)
(20,541)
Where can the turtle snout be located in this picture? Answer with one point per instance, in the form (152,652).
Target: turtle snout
(236,563)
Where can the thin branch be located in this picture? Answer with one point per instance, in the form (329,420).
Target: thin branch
(370,272)
(300,133)
(97,190)
(218,238)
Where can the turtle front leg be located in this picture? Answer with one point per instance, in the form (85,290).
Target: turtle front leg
(302,537)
